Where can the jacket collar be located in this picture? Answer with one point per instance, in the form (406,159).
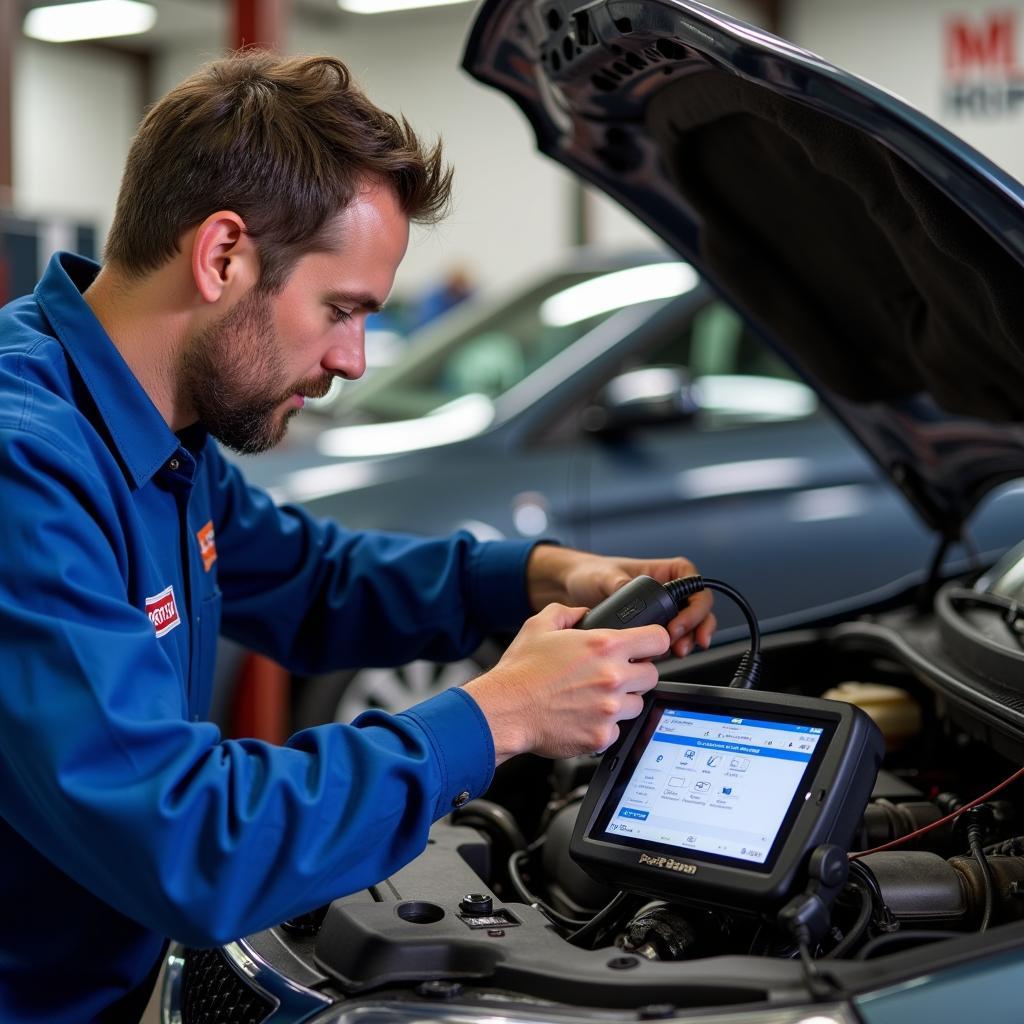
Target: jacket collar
(137,431)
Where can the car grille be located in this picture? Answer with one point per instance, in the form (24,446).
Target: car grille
(213,993)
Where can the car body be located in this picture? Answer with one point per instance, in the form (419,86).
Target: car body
(883,256)
(615,404)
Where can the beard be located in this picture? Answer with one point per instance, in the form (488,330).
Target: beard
(230,374)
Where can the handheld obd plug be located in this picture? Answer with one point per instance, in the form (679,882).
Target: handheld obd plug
(644,602)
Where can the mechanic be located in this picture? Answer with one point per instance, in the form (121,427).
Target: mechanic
(264,210)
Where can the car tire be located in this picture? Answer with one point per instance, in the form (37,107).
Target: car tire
(342,696)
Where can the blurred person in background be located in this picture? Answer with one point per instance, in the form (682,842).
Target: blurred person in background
(264,210)
(455,287)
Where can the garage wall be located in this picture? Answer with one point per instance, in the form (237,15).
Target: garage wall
(956,61)
(513,209)
(76,110)
(511,206)
(74,115)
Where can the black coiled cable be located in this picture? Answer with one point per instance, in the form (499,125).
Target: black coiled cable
(748,672)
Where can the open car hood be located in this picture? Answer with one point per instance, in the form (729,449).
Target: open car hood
(881,255)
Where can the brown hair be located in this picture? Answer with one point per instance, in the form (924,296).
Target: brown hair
(283,142)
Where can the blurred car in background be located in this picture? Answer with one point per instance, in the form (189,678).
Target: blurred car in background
(614,404)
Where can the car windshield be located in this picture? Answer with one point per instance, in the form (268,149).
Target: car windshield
(489,348)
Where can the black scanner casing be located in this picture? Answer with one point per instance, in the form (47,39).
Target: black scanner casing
(839,786)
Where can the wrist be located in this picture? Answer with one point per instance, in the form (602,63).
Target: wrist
(506,722)
(546,571)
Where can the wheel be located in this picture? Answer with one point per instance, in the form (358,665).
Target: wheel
(342,696)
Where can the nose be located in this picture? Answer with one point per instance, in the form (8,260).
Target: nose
(349,359)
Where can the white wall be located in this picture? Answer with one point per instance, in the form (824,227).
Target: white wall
(510,209)
(901,46)
(510,205)
(75,113)
(513,208)
(74,116)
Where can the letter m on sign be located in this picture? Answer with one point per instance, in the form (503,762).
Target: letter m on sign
(986,44)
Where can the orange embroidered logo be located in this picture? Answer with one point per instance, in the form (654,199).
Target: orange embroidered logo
(206,546)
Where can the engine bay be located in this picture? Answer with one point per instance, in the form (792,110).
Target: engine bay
(496,912)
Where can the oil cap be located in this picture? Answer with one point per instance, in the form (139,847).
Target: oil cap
(476,904)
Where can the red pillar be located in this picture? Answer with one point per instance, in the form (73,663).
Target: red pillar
(262,693)
(260,23)
(260,709)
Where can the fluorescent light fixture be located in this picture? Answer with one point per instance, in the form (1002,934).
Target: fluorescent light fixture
(613,291)
(94,19)
(386,6)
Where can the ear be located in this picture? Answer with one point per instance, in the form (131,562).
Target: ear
(224,258)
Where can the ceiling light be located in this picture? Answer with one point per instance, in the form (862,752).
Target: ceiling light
(94,19)
(386,6)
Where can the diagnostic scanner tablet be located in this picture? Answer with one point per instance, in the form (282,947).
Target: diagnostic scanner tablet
(716,795)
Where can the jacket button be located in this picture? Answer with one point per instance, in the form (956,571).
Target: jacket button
(174,465)
(462,798)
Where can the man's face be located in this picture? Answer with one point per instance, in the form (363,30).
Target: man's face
(249,372)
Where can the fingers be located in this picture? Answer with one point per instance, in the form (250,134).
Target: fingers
(636,643)
(554,616)
(705,631)
(683,643)
(698,608)
(632,705)
(695,624)
(641,641)
(642,676)
(608,737)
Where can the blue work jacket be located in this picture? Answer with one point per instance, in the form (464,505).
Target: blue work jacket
(125,549)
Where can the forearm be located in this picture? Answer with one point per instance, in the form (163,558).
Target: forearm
(315,596)
(206,841)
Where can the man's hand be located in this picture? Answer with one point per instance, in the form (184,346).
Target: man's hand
(578,578)
(559,691)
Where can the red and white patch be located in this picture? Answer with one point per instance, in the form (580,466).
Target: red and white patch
(163,611)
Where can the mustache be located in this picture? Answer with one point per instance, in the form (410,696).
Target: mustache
(314,387)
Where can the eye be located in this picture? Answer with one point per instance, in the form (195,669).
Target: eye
(339,315)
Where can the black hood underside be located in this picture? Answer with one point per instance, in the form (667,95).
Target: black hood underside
(881,287)
(878,254)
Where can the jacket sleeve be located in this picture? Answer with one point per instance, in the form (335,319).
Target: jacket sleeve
(316,596)
(198,838)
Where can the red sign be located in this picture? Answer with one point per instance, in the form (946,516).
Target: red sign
(162,611)
(988,44)
(982,77)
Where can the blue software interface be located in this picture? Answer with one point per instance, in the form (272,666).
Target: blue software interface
(715,784)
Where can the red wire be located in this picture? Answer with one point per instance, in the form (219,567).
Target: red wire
(942,821)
